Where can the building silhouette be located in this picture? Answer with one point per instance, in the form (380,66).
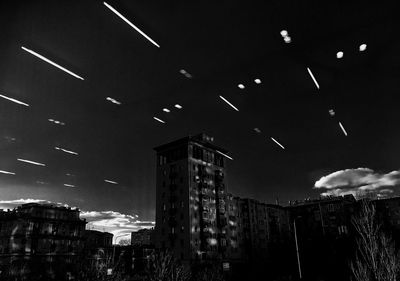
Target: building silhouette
(41,241)
(191,218)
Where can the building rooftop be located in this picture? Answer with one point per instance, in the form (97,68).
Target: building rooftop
(201,139)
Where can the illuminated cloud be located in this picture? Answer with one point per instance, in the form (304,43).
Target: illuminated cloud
(357,181)
(121,225)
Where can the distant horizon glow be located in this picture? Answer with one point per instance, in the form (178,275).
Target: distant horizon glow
(14,100)
(277,143)
(343,129)
(313,78)
(159,120)
(31,162)
(131,24)
(6,172)
(51,62)
(231,105)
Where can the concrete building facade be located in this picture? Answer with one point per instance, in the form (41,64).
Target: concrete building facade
(191,216)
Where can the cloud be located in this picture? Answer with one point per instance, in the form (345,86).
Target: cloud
(119,224)
(357,181)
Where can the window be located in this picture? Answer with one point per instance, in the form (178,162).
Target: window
(182,228)
(173,230)
(164,207)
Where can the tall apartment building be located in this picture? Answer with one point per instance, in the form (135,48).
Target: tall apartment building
(191,216)
(40,240)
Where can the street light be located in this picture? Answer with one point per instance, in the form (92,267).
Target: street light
(297,246)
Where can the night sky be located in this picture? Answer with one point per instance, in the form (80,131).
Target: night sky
(221,44)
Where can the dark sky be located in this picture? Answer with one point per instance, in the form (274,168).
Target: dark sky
(221,44)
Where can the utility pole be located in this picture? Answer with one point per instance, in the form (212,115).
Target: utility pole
(297,247)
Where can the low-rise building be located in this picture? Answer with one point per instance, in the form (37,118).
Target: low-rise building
(40,240)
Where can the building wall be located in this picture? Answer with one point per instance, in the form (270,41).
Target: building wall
(190,199)
(33,234)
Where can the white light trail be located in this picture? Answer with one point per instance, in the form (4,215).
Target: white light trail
(284,33)
(6,172)
(313,78)
(225,100)
(51,62)
(363,47)
(277,143)
(158,119)
(331,112)
(66,151)
(339,54)
(113,182)
(69,185)
(131,24)
(178,106)
(241,86)
(257,130)
(223,154)
(166,110)
(14,100)
(187,74)
(257,81)
(31,162)
(56,122)
(113,100)
(343,130)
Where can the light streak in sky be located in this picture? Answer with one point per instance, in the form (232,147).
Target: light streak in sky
(313,78)
(131,24)
(31,162)
(277,143)
(6,172)
(52,63)
(113,182)
(223,154)
(66,151)
(343,130)
(178,106)
(69,185)
(159,120)
(113,100)
(14,100)
(225,100)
